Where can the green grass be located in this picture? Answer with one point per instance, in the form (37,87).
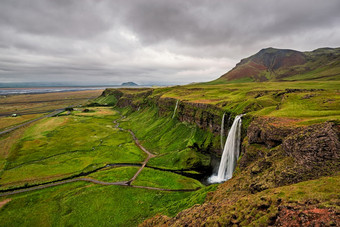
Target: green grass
(83,204)
(58,147)
(63,146)
(172,140)
(115,174)
(109,100)
(262,99)
(323,192)
(162,179)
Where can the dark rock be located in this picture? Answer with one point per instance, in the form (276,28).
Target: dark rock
(314,145)
(261,131)
(205,116)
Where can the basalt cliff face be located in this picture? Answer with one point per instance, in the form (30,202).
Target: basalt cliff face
(302,149)
(275,159)
(205,116)
(287,173)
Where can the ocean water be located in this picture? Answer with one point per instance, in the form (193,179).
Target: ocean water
(16,91)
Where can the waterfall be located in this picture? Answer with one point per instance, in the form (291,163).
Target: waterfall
(230,154)
(222,131)
(175,109)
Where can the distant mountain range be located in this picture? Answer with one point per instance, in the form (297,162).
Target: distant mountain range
(272,64)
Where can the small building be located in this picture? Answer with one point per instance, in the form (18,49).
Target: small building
(14,115)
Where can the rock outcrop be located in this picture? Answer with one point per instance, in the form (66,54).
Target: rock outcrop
(314,145)
(205,116)
(267,131)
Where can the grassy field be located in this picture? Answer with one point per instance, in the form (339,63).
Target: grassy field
(316,101)
(32,106)
(58,147)
(78,142)
(61,146)
(161,179)
(83,204)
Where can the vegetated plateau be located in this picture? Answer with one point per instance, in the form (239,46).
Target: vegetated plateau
(287,174)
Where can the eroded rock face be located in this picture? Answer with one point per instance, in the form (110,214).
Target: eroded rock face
(205,116)
(299,153)
(265,131)
(314,145)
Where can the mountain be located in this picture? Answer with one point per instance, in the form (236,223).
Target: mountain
(129,84)
(272,64)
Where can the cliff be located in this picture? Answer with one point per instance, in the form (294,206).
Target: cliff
(289,166)
(266,190)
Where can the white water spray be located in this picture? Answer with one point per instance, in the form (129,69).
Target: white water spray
(175,109)
(222,131)
(230,154)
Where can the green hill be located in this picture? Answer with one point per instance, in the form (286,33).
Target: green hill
(272,64)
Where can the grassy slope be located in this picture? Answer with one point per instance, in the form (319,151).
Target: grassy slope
(82,204)
(75,203)
(169,138)
(264,99)
(260,209)
(62,146)
(321,64)
(172,138)
(322,192)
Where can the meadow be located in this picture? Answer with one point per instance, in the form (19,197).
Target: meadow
(90,143)
(79,142)
(31,106)
(308,102)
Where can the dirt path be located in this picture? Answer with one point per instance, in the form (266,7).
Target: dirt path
(3,203)
(121,183)
(150,155)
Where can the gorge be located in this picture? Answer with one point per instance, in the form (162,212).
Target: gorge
(279,161)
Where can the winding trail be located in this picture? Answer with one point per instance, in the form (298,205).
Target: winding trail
(150,155)
(120,183)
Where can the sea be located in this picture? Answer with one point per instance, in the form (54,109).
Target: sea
(41,90)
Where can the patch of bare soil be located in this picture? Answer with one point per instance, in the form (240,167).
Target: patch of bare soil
(4,202)
(310,216)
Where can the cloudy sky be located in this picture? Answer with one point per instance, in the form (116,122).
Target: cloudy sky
(152,41)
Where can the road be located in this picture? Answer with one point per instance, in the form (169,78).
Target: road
(54,113)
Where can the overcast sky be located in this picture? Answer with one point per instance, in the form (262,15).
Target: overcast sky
(152,41)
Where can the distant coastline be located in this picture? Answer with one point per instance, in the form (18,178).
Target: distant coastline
(42,90)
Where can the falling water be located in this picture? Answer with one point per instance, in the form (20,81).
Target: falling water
(175,109)
(230,153)
(222,131)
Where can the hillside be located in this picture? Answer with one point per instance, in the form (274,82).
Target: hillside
(272,64)
(78,166)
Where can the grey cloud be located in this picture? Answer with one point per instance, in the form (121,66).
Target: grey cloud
(74,19)
(234,22)
(103,41)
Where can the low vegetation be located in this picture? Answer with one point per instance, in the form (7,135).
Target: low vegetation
(77,141)
(81,141)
